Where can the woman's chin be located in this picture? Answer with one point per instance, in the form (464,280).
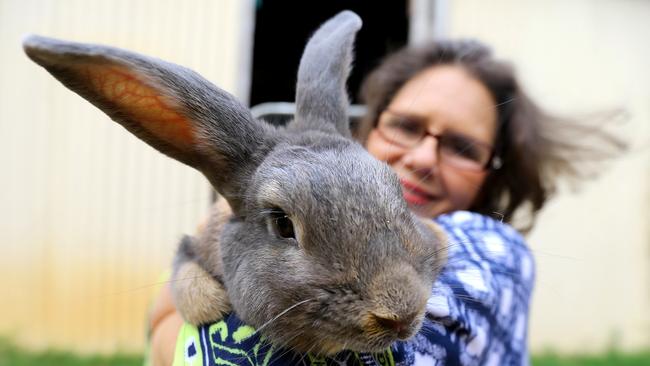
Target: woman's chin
(429,209)
(417,203)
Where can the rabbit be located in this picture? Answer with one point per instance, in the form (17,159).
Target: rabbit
(320,252)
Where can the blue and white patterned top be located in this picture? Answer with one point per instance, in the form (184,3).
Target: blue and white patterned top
(477,313)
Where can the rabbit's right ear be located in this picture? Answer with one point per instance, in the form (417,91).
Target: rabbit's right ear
(172,108)
(321,96)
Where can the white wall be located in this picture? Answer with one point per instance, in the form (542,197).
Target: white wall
(592,247)
(90,215)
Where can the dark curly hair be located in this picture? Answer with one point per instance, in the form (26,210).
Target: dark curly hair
(534,147)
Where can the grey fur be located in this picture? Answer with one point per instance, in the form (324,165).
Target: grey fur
(360,259)
(321,97)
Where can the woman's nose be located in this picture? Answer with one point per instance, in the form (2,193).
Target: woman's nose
(423,156)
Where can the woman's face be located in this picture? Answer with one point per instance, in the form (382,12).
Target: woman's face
(445,101)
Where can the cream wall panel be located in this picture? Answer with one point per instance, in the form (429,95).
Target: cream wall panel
(90,215)
(592,247)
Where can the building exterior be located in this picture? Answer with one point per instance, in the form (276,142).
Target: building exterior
(91,216)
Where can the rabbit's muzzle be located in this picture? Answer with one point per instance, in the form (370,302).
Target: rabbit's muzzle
(398,298)
(370,319)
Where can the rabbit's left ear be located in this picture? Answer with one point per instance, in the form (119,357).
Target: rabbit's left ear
(172,108)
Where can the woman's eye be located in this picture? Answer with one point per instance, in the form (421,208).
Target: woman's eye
(461,147)
(281,224)
(406,126)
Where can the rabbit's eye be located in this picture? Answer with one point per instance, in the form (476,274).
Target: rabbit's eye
(282,224)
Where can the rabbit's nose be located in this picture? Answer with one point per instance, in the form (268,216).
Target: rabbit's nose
(399,326)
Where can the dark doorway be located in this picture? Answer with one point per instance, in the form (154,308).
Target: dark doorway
(282,28)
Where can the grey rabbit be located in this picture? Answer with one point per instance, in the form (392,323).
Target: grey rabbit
(320,252)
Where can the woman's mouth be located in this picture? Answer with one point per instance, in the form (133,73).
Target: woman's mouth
(414,195)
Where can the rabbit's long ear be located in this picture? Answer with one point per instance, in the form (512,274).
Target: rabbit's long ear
(172,108)
(321,96)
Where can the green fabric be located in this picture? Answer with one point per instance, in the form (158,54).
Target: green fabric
(230,342)
(188,336)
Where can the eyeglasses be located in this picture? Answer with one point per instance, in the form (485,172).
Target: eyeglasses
(453,149)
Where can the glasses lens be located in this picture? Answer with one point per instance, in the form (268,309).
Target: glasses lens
(454,149)
(399,130)
(462,152)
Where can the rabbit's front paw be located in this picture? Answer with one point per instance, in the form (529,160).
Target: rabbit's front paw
(199,297)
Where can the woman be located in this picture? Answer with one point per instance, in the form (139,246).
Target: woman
(472,151)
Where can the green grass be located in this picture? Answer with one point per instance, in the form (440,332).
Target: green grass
(611,358)
(11,355)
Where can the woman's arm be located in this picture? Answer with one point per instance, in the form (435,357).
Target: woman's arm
(164,325)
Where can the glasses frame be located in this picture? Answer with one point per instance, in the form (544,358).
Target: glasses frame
(494,161)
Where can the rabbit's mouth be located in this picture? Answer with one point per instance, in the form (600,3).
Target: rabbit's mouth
(373,339)
(371,332)
(330,344)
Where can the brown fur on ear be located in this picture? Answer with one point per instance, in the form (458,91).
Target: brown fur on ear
(140,102)
(198,296)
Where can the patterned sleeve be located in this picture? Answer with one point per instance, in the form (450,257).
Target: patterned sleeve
(478,311)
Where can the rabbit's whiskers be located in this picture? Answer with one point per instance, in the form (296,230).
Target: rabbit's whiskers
(282,313)
(314,345)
